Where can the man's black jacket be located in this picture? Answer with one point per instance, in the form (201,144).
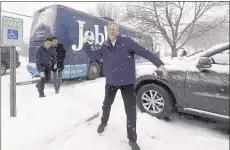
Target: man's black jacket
(60,55)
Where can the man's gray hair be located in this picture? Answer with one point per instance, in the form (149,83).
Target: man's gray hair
(110,23)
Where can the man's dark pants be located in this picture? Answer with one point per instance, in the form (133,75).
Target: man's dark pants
(129,103)
(41,84)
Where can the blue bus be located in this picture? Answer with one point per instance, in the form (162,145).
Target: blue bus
(70,26)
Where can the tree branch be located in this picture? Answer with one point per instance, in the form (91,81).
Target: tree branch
(198,14)
(200,31)
(170,21)
(167,18)
(177,23)
(164,33)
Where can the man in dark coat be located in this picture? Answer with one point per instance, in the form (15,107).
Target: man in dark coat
(119,70)
(57,71)
(45,57)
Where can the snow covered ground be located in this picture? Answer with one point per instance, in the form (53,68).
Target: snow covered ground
(58,122)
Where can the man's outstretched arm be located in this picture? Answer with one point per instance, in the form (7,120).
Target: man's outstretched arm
(141,51)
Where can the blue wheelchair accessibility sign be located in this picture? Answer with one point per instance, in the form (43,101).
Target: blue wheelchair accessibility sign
(12,34)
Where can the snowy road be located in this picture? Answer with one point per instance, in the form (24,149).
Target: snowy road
(58,122)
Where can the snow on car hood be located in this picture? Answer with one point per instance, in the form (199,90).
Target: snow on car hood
(147,68)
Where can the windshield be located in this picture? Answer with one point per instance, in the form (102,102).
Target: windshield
(43,24)
(195,53)
(204,52)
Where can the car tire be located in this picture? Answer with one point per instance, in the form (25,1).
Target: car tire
(94,71)
(166,108)
(3,68)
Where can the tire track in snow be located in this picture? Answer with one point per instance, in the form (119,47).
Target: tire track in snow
(66,134)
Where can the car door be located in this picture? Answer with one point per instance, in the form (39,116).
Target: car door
(207,91)
(5,54)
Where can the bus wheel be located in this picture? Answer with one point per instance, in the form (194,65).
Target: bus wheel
(94,71)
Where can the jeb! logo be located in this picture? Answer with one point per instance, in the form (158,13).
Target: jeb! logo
(95,34)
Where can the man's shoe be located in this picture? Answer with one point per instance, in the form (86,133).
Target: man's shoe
(42,95)
(101,127)
(134,145)
(56,91)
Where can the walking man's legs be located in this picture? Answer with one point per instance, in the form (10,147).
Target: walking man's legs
(110,93)
(41,84)
(59,79)
(130,109)
(48,74)
(55,80)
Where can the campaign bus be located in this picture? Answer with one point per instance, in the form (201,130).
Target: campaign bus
(70,26)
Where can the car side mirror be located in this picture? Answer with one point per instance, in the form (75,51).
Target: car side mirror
(204,62)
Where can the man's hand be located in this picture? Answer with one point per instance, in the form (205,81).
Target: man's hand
(42,74)
(88,38)
(55,66)
(163,69)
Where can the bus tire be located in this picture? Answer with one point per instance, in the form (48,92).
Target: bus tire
(94,71)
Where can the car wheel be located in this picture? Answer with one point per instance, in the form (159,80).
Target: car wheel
(93,71)
(3,68)
(154,100)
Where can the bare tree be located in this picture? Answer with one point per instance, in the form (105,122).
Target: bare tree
(176,22)
(108,10)
(215,36)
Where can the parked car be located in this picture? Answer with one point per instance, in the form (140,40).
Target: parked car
(5,57)
(198,84)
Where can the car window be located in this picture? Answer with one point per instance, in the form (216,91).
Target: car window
(221,58)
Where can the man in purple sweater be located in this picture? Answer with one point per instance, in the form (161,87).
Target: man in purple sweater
(119,69)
